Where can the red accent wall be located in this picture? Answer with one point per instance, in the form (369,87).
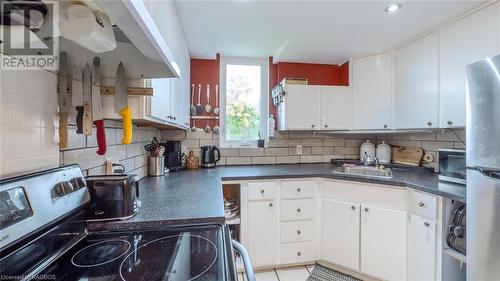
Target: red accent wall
(206,71)
(344,74)
(317,74)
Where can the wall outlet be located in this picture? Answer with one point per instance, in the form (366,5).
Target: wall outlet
(299,149)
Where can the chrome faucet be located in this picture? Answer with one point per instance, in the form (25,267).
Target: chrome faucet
(367,160)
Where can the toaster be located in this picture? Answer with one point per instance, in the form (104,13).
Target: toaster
(113,197)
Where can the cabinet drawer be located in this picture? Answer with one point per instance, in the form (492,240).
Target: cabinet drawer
(261,191)
(295,210)
(298,189)
(301,231)
(299,252)
(423,204)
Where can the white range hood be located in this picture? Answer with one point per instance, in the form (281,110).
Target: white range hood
(139,44)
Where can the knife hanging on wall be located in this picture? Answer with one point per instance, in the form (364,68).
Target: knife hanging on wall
(62,99)
(77,97)
(121,104)
(87,101)
(96,106)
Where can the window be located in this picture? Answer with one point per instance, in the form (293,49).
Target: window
(244,101)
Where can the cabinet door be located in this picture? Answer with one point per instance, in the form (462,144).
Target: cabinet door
(468,40)
(176,100)
(372,96)
(262,233)
(340,233)
(336,108)
(160,102)
(421,249)
(383,243)
(416,74)
(302,107)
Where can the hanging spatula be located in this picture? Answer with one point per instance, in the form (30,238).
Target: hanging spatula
(199,107)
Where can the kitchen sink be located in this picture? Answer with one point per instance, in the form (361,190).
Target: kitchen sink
(363,171)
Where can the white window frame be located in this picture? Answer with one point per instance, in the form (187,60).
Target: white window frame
(264,100)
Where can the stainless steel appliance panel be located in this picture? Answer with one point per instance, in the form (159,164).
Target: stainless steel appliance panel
(483,226)
(483,113)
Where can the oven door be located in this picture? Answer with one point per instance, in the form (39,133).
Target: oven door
(452,165)
(231,247)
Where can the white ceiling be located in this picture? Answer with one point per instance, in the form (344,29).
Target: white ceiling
(307,31)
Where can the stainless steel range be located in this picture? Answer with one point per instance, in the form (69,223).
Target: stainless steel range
(44,237)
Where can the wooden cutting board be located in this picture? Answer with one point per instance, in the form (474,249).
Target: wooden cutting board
(408,155)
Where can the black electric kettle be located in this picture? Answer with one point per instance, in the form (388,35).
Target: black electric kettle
(210,155)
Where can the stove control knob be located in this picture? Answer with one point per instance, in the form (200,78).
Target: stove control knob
(78,182)
(62,188)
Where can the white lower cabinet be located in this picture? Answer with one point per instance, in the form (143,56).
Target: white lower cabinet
(356,226)
(383,243)
(421,249)
(298,252)
(340,233)
(298,231)
(262,233)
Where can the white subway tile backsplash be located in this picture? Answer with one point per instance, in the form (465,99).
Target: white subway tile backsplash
(287,159)
(311,142)
(282,151)
(75,140)
(315,147)
(311,159)
(263,160)
(251,152)
(87,158)
(238,160)
(322,150)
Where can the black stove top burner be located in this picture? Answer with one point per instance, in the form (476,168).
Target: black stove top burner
(100,253)
(174,254)
(177,251)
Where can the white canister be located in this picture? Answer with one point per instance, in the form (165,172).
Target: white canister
(383,153)
(367,147)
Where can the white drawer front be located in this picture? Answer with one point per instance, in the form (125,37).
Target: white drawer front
(295,210)
(298,252)
(261,191)
(301,231)
(298,189)
(423,204)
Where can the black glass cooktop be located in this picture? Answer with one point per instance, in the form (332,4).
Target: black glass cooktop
(189,253)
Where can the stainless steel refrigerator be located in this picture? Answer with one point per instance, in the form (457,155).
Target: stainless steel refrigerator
(483,170)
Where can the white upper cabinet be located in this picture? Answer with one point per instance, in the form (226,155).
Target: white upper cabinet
(300,108)
(314,107)
(160,102)
(416,87)
(372,95)
(468,40)
(336,108)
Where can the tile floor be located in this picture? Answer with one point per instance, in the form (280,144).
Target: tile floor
(299,273)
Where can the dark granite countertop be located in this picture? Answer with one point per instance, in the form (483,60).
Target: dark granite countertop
(195,197)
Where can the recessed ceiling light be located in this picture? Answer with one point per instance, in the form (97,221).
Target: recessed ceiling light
(393,8)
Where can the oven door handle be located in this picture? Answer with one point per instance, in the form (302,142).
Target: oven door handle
(246,259)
